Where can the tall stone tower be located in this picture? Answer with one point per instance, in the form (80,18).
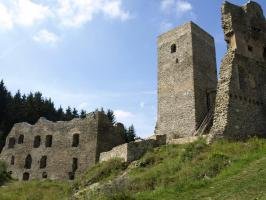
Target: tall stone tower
(187,80)
(240,106)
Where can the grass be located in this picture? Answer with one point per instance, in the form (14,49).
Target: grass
(35,190)
(223,170)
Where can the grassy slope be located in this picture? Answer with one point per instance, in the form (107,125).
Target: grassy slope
(35,190)
(223,170)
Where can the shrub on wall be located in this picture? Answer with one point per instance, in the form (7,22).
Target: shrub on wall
(4,176)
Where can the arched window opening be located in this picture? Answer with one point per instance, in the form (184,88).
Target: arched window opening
(11,142)
(71,175)
(264,53)
(43,162)
(48,141)
(21,139)
(37,141)
(12,161)
(26,176)
(28,162)
(74,164)
(173,48)
(44,175)
(250,48)
(75,141)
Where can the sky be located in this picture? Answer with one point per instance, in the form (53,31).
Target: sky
(90,54)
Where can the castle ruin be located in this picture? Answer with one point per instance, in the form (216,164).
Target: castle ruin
(59,150)
(187,80)
(241,94)
(191,102)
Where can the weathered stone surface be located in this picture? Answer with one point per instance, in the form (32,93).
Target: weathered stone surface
(240,104)
(187,80)
(134,150)
(64,159)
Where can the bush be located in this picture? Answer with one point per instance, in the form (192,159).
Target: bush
(4,176)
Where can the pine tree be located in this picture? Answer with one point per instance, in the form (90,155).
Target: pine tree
(130,134)
(75,113)
(111,116)
(68,115)
(60,114)
(83,114)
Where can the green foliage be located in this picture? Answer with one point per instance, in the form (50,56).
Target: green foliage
(22,108)
(4,176)
(223,170)
(130,134)
(36,190)
(111,116)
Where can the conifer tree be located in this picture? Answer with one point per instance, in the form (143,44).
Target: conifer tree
(111,116)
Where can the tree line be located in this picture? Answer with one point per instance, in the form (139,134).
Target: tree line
(29,108)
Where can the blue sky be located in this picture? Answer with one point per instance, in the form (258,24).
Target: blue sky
(97,53)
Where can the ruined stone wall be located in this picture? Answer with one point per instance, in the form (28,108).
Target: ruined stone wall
(186,73)
(134,150)
(73,148)
(240,104)
(204,73)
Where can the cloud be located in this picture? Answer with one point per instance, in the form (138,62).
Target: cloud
(122,115)
(44,36)
(28,13)
(183,6)
(167,4)
(69,13)
(113,9)
(178,7)
(6,21)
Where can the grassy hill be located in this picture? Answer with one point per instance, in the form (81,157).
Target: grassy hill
(222,170)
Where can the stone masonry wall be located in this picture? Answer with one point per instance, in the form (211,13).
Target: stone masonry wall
(185,76)
(240,105)
(74,147)
(134,150)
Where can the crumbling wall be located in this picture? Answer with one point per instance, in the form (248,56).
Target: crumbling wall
(240,103)
(134,150)
(58,150)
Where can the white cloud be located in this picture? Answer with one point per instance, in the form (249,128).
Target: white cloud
(44,36)
(183,6)
(122,115)
(167,4)
(113,9)
(6,21)
(70,13)
(27,13)
(177,7)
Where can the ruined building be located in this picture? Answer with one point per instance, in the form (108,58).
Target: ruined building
(187,80)
(240,105)
(189,102)
(59,150)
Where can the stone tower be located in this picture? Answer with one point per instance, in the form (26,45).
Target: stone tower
(187,80)
(240,104)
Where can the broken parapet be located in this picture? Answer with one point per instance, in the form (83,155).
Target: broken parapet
(134,150)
